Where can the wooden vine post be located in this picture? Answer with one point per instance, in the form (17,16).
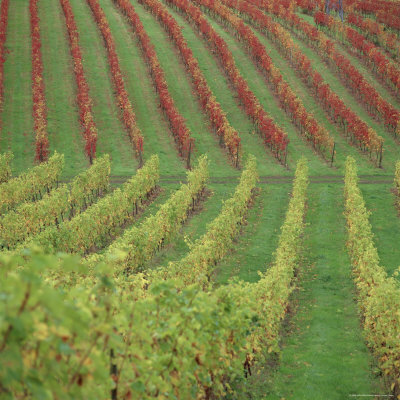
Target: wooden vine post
(333,153)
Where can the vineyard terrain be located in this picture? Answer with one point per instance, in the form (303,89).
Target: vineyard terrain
(186,214)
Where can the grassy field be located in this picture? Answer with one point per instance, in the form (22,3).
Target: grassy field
(323,351)
(16,116)
(323,355)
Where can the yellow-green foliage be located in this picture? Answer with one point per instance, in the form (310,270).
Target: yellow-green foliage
(197,265)
(31,184)
(138,244)
(274,287)
(5,167)
(378,295)
(58,343)
(28,219)
(101,220)
(163,337)
(397,183)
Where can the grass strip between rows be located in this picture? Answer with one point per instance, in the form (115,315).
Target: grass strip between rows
(197,265)
(30,185)
(378,295)
(62,203)
(138,244)
(121,94)
(308,126)
(102,220)
(5,166)
(351,125)
(272,135)
(228,135)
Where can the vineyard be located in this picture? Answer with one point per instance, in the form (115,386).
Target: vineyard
(199,199)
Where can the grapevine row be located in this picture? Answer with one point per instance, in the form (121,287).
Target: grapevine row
(32,184)
(397,184)
(390,20)
(229,136)
(124,103)
(378,295)
(138,244)
(31,218)
(265,301)
(109,333)
(326,48)
(270,295)
(83,96)
(308,6)
(5,167)
(38,96)
(3,34)
(272,291)
(101,221)
(206,252)
(344,117)
(308,125)
(376,32)
(387,13)
(383,11)
(380,64)
(178,125)
(376,6)
(272,135)
(103,340)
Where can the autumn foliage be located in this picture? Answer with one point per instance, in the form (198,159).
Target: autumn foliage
(344,117)
(124,103)
(83,97)
(229,136)
(364,91)
(272,135)
(39,101)
(376,32)
(3,34)
(386,12)
(379,63)
(176,120)
(306,123)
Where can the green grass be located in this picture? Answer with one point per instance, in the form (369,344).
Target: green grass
(17,123)
(323,355)
(306,95)
(157,137)
(195,227)
(380,201)
(112,135)
(254,250)
(60,89)
(226,96)
(372,78)
(183,93)
(323,352)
